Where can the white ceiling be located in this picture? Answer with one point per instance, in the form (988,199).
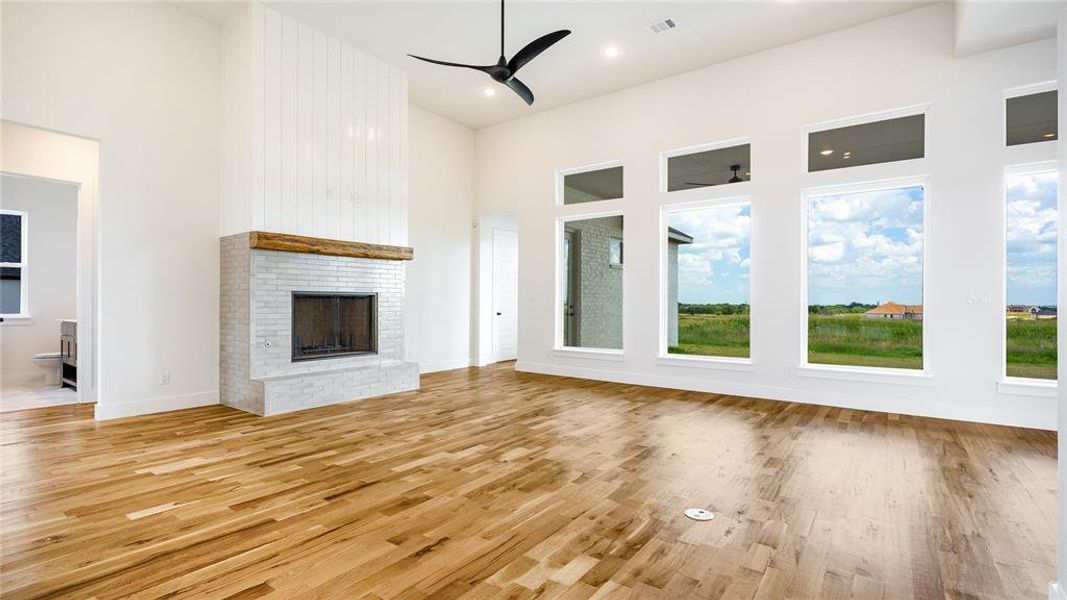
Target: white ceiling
(575,69)
(983,25)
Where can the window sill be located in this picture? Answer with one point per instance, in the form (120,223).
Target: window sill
(1021,386)
(866,374)
(16,321)
(706,362)
(593,353)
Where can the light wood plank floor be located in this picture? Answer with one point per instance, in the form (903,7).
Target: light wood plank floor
(491,484)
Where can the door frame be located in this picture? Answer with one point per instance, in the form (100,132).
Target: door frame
(493,308)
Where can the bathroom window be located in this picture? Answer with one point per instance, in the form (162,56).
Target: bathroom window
(13,244)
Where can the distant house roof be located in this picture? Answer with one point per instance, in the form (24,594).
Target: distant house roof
(892,308)
(677,236)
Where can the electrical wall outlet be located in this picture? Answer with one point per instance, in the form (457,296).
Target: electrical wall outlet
(164,378)
(978,298)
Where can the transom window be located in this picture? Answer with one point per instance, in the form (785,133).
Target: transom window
(868,143)
(591,184)
(1031,118)
(687,169)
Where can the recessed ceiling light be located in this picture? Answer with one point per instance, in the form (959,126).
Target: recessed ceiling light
(1050,135)
(611,51)
(827,152)
(489,92)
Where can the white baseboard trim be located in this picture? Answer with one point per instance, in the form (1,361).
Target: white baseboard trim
(444,365)
(940,410)
(1056,591)
(107,411)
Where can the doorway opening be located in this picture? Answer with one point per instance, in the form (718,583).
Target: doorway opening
(47,268)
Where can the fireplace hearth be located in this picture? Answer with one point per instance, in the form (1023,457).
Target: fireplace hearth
(332,325)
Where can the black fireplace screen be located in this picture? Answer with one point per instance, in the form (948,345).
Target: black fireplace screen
(327,325)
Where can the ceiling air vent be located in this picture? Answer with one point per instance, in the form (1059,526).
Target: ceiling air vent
(662,25)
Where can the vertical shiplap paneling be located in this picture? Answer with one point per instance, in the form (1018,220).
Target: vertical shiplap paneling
(289,170)
(258,96)
(328,135)
(345,165)
(305,132)
(333,138)
(318,110)
(272,120)
(359,146)
(373,198)
(386,140)
(403,166)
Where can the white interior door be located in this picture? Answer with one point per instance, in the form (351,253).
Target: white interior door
(505,294)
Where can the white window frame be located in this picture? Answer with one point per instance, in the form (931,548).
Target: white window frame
(561,174)
(559,349)
(669,154)
(1016,92)
(895,375)
(24,285)
(664,357)
(874,117)
(1026,386)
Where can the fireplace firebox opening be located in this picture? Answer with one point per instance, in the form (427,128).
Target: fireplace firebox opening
(332,325)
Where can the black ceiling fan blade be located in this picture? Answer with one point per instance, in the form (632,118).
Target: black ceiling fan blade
(520,88)
(531,50)
(450,64)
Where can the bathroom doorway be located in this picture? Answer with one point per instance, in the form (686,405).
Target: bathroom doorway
(47,258)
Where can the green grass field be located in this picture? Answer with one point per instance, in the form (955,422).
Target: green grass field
(851,339)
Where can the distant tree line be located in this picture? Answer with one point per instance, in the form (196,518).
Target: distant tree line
(839,309)
(713,309)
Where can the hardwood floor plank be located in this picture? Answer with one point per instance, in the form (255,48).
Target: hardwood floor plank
(491,484)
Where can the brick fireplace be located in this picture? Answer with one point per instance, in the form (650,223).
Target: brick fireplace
(308,322)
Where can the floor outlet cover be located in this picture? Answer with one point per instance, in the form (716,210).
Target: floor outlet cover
(699,514)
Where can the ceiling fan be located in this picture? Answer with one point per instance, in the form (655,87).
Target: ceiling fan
(504,70)
(735,179)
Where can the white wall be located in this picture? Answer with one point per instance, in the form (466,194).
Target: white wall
(144,80)
(51,209)
(1059,591)
(315,134)
(891,63)
(438,294)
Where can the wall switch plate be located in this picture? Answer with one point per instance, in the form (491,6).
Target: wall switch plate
(164,378)
(978,298)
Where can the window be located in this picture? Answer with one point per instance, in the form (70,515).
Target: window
(1030,286)
(591,184)
(13,246)
(708,280)
(615,247)
(591,288)
(687,170)
(1030,118)
(888,140)
(865,277)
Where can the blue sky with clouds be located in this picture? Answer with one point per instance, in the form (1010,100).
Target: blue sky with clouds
(866,247)
(1030,223)
(715,267)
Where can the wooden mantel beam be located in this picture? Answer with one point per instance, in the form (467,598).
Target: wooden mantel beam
(266,240)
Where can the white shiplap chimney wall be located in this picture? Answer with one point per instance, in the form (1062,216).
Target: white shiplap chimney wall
(315,134)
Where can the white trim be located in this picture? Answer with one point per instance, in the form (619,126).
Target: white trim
(593,353)
(866,374)
(696,149)
(1023,386)
(23,265)
(1033,168)
(445,365)
(872,117)
(998,414)
(706,362)
(1056,591)
(885,184)
(107,411)
(664,245)
(600,166)
(557,307)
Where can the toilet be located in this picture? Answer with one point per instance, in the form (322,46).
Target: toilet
(50,362)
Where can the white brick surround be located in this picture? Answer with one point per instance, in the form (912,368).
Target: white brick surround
(256,372)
